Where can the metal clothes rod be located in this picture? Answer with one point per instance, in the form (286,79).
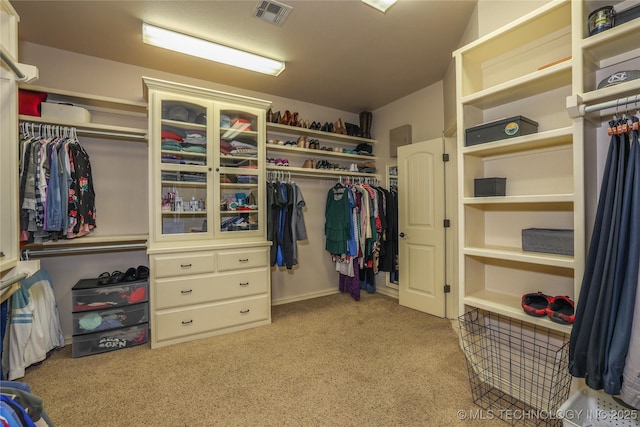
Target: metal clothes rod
(10,281)
(82,131)
(27,253)
(111,134)
(9,61)
(622,102)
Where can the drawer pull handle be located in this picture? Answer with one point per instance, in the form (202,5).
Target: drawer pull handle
(185,265)
(243,260)
(244,283)
(244,311)
(186,291)
(187,322)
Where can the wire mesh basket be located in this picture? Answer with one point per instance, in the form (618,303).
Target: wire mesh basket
(518,372)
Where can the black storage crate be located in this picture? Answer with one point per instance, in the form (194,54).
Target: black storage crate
(548,240)
(500,129)
(488,187)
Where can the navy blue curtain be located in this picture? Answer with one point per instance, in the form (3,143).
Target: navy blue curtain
(601,332)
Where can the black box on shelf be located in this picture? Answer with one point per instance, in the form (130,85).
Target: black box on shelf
(488,187)
(500,129)
(548,240)
(627,15)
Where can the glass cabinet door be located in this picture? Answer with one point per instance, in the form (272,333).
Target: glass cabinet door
(238,166)
(184,167)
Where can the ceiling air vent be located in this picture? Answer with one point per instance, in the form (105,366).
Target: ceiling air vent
(272,11)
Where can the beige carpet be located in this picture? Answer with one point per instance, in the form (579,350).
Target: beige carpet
(328,361)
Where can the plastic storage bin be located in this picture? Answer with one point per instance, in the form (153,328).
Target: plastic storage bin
(88,295)
(85,322)
(588,407)
(52,110)
(103,341)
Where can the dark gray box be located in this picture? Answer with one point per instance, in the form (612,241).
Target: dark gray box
(627,15)
(500,129)
(548,240)
(488,187)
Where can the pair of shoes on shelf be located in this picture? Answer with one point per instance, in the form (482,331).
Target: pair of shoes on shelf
(282,162)
(340,127)
(303,141)
(289,119)
(273,117)
(327,127)
(315,126)
(559,309)
(308,164)
(132,274)
(275,142)
(314,144)
(353,167)
(303,123)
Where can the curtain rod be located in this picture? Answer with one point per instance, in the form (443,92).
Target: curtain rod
(82,249)
(622,102)
(9,61)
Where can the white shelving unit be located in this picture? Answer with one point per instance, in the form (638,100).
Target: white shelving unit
(297,155)
(112,119)
(501,75)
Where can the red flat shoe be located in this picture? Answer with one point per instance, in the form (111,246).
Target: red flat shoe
(536,304)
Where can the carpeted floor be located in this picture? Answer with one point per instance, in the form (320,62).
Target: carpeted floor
(327,361)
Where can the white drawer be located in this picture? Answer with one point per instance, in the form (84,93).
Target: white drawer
(192,321)
(184,264)
(176,292)
(240,259)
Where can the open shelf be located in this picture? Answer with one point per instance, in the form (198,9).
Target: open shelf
(509,305)
(293,130)
(518,255)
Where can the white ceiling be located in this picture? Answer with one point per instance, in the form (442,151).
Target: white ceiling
(340,54)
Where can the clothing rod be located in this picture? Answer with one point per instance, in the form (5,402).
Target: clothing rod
(111,134)
(622,102)
(99,132)
(27,253)
(7,60)
(10,281)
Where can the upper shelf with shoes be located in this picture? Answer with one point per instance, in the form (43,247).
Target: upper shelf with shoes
(279,129)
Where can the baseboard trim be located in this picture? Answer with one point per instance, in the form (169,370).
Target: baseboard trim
(303,297)
(390,292)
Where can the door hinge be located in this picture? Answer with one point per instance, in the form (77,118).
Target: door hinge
(445,157)
(447,288)
(447,223)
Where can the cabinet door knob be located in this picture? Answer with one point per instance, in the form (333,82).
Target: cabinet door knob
(402,235)
(187,322)
(186,291)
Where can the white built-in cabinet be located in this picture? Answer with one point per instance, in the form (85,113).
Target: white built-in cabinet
(537,67)
(208,253)
(499,76)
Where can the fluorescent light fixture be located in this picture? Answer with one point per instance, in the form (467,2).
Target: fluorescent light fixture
(381,5)
(194,46)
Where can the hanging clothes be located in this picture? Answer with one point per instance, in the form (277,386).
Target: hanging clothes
(33,327)
(600,337)
(57,196)
(357,221)
(285,222)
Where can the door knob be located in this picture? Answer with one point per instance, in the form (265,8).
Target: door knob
(402,235)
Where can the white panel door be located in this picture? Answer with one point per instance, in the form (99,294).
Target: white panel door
(421,201)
